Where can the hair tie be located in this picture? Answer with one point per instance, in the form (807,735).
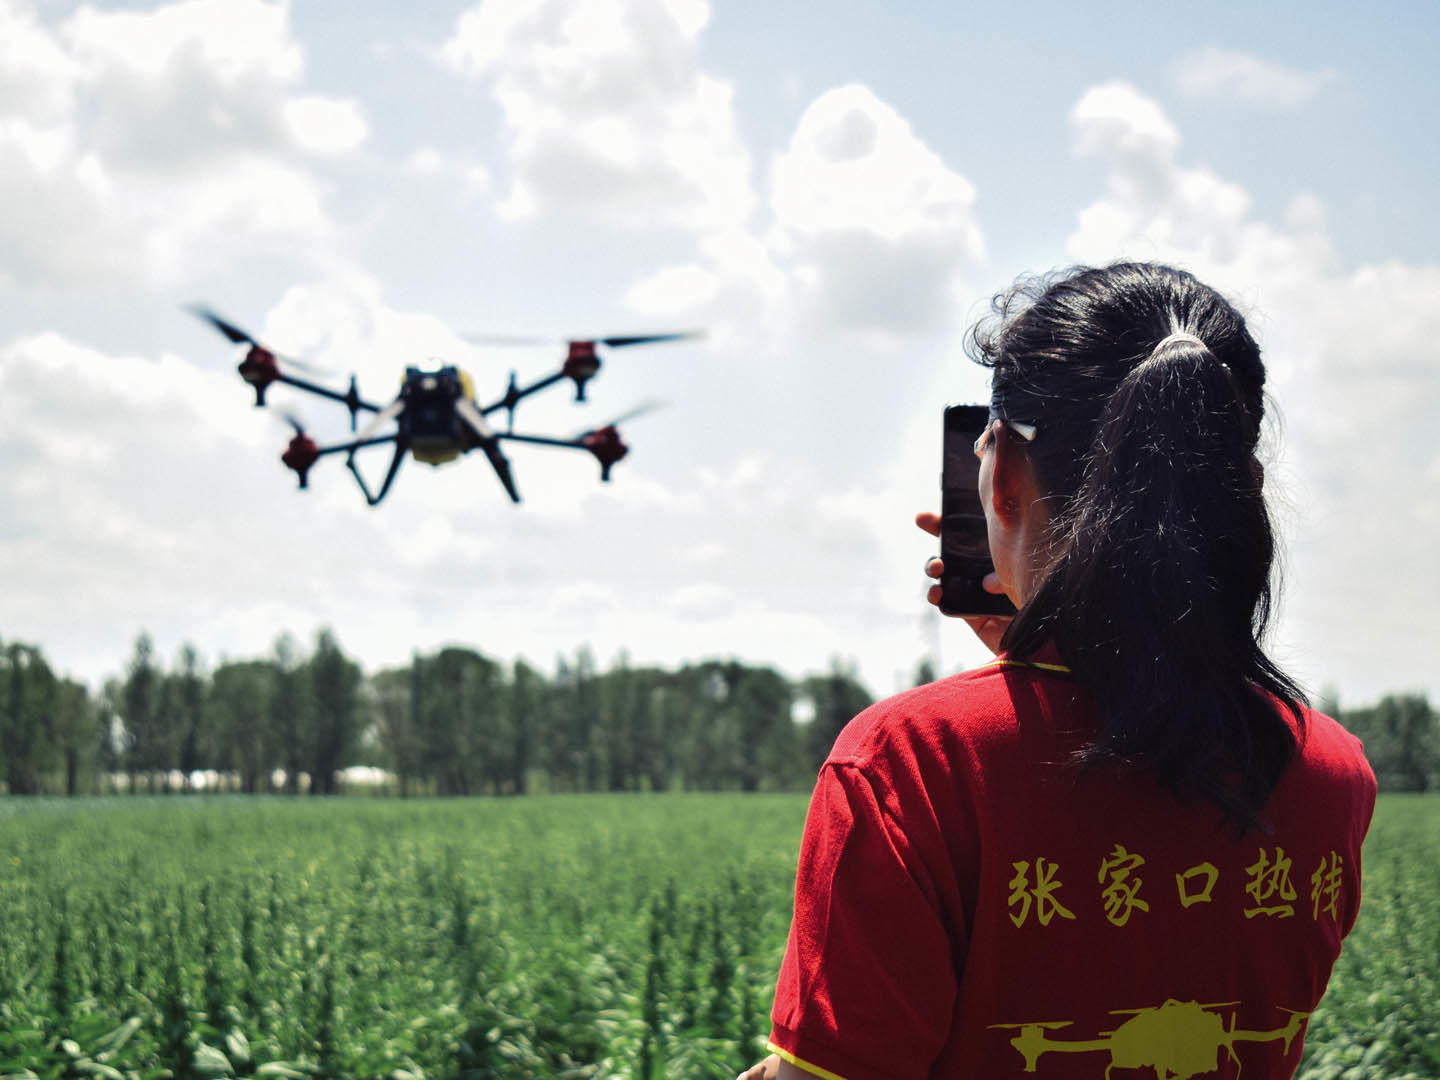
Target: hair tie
(1180,335)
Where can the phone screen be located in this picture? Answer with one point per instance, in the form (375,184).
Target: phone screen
(964,540)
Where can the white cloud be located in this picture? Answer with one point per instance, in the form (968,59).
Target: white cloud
(95,447)
(426,161)
(676,290)
(177,86)
(236,39)
(65,232)
(37,76)
(873,223)
(736,288)
(326,125)
(868,238)
(607,111)
(429,163)
(1155,208)
(854,163)
(1116,118)
(703,600)
(1224,73)
(143,145)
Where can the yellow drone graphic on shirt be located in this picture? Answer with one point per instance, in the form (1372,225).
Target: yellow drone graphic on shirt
(1179,1039)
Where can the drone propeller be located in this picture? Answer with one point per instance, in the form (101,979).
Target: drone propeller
(640,410)
(614,342)
(294,421)
(510,339)
(646,339)
(230,330)
(238,336)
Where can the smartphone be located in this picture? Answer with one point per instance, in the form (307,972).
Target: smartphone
(964,540)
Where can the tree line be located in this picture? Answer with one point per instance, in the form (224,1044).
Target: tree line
(1402,740)
(458,722)
(451,722)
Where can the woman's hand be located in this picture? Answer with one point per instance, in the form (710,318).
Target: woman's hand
(768,1069)
(772,1068)
(988,628)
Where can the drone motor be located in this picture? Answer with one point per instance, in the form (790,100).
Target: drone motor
(259,369)
(301,453)
(581,364)
(607,447)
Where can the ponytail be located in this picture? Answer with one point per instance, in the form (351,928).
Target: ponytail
(1158,587)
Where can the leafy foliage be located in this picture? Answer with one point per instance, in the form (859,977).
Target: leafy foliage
(1380,1018)
(238,937)
(575,936)
(1402,740)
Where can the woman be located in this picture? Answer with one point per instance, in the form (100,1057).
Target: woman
(1126,844)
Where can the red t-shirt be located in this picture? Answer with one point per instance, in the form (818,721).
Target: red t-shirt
(965,907)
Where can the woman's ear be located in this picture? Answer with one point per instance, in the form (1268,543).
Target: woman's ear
(1009,476)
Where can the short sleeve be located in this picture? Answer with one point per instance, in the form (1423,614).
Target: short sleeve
(1364,802)
(867,987)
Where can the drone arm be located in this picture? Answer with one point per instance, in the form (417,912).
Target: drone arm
(374,500)
(517,394)
(356,444)
(603,443)
(541,440)
(350,399)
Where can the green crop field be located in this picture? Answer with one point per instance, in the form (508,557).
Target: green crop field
(588,936)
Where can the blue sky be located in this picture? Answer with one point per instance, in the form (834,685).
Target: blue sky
(832,190)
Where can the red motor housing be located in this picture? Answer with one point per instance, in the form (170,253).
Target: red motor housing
(259,369)
(300,455)
(607,447)
(581,364)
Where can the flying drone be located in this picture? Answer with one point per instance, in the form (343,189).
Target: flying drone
(437,416)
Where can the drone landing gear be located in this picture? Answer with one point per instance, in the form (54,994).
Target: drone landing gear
(501,465)
(395,461)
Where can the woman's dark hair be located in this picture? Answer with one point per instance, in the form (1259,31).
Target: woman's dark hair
(1157,589)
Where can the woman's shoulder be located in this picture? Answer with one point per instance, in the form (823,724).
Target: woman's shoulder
(975,707)
(1328,746)
(1329,784)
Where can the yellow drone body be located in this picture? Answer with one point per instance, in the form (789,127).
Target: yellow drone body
(443,442)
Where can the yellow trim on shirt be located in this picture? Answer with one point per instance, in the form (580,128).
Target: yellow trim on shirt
(814,1070)
(1061,668)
